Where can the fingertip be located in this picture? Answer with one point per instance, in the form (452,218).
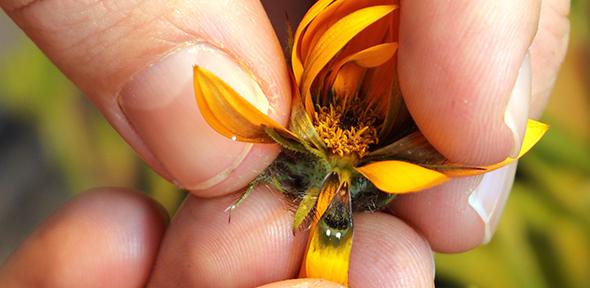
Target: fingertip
(103,237)
(443,215)
(459,215)
(204,248)
(233,178)
(458,64)
(389,253)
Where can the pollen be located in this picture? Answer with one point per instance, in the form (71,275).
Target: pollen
(346,131)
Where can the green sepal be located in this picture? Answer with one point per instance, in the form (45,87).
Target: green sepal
(293,145)
(305,209)
(263,178)
(413,148)
(302,126)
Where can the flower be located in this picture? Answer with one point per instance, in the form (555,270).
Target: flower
(350,144)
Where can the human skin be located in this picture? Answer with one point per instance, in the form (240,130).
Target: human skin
(465,76)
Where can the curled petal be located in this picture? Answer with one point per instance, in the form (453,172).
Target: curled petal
(311,14)
(347,82)
(398,177)
(334,39)
(229,114)
(373,56)
(348,72)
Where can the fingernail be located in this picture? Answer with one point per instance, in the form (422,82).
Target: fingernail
(433,267)
(159,103)
(488,198)
(517,111)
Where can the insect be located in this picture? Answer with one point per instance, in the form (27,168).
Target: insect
(350,144)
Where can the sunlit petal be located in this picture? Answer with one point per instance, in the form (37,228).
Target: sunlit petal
(230,114)
(401,177)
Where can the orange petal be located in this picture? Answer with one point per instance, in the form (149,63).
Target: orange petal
(381,92)
(401,177)
(331,14)
(347,82)
(329,188)
(311,14)
(335,38)
(373,56)
(230,114)
(349,72)
(534,132)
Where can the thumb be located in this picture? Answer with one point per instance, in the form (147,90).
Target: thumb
(134,60)
(465,74)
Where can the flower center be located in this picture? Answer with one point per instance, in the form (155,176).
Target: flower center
(346,129)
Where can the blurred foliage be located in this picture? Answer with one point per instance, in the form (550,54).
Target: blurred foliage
(75,137)
(542,241)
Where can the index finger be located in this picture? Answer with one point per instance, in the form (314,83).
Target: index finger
(134,60)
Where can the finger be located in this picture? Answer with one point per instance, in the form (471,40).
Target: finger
(202,249)
(134,60)
(459,215)
(103,238)
(548,51)
(388,253)
(460,64)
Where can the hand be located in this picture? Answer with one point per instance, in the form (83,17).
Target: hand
(464,75)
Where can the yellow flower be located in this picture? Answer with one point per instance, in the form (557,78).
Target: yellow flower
(350,144)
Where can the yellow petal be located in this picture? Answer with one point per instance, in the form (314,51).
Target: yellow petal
(534,132)
(401,177)
(330,240)
(335,38)
(229,114)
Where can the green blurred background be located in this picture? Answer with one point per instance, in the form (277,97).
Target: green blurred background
(53,143)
